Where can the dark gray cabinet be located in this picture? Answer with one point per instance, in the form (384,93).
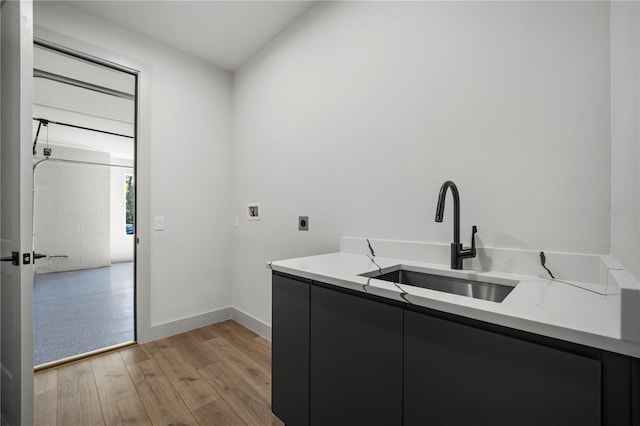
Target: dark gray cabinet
(290,350)
(460,375)
(356,360)
(340,357)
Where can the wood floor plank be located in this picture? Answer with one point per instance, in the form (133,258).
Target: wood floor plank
(215,375)
(203,334)
(196,393)
(243,340)
(160,399)
(243,366)
(134,355)
(45,381)
(192,351)
(45,403)
(151,347)
(78,402)
(126,411)
(241,328)
(45,409)
(218,413)
(194,390)
(240,396)
(112,378)
(174,365)
(263,342)
(159,344)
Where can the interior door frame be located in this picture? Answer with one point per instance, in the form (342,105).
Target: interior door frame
(16,360)
(65,44)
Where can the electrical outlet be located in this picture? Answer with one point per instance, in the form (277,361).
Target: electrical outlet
(303,223)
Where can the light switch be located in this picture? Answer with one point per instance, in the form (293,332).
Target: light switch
(159,223)
(235,222)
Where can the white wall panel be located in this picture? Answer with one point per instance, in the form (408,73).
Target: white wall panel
(186,131)
(625,135)
(72,212)
(358,113)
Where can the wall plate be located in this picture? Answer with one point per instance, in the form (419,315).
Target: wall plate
(303,223)
(158,223)
(253,211)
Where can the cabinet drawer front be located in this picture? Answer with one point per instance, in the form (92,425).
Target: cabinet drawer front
(290,350)
(459,375)
(356,360)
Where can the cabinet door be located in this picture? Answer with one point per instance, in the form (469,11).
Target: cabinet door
(290,350)
(460,375)
(356,360)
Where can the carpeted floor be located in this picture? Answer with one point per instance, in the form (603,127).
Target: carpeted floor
(80,311)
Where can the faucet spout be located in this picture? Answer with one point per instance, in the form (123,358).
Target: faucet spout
(456,208)
(458,252)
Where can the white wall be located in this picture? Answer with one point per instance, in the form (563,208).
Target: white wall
(357,113)
(625,134)
(121,244)
(72,209)
(80,212)
(187,103)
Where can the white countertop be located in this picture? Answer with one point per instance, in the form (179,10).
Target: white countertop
(570,311)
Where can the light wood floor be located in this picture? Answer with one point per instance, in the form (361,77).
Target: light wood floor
(216,375)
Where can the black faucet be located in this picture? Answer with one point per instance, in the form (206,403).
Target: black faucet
(457,251)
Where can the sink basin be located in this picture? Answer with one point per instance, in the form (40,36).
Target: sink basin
(492,292)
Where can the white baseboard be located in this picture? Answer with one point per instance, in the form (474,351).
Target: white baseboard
(251,323)
(171,328)
(183,325)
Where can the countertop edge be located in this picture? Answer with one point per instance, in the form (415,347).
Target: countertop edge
(607,343)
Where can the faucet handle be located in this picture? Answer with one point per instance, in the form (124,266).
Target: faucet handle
(474,229)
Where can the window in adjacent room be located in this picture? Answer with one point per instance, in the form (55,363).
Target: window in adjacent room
(129,191)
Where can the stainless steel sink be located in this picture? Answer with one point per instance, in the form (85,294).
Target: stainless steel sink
(492,292)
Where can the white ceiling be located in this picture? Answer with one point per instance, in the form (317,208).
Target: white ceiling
(225,33)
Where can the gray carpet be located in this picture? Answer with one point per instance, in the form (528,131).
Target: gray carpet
(81,311)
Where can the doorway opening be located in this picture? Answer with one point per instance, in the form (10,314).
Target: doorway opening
(84,213)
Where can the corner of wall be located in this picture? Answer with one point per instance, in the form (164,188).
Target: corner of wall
(624,214)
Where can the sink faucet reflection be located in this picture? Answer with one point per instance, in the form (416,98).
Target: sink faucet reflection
(458,252)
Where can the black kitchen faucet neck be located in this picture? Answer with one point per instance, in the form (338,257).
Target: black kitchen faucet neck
(458,252)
